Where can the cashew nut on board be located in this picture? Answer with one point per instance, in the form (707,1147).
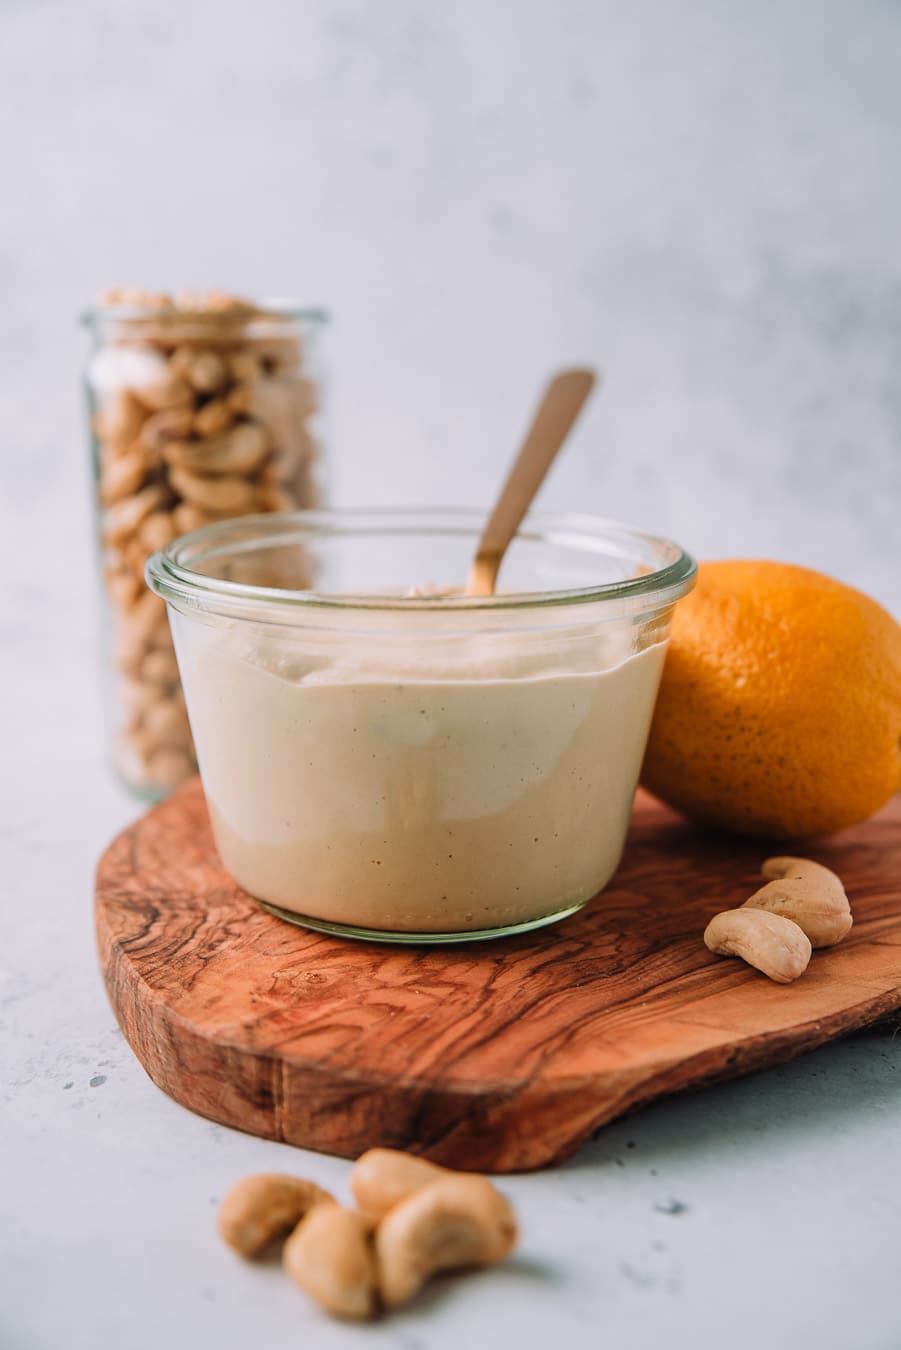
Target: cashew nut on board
(776,946)
(808,893)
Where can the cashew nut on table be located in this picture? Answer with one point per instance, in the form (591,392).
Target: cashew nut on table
(415,1219)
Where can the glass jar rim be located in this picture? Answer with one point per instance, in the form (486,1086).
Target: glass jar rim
(267,307)
(170,575)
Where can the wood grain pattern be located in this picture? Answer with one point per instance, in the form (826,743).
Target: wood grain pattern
(497,1056)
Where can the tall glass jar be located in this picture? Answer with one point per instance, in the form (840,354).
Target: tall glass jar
(201,408)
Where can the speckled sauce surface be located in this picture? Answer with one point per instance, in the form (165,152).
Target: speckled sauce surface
(705,200)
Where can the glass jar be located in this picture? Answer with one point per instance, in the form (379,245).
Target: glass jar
(201,408)
(387,760)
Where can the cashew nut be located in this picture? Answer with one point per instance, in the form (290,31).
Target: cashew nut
(167,766)
(213,418)
(137,698)
(137,629)
(275,499)
(212,494)
(124,518)
(280,468)
(159,668)
(244,365)
(120,420)
(166,723)
(262,1207)
(330,1256)
(121,477)
(808,893)
(279,403)
(189,517)
(206,371)
(169,391)
(240,399)
(382,1177)
(238,451)
(124,587)
(169,424)
(157,531)
(451,1223)
(776,946)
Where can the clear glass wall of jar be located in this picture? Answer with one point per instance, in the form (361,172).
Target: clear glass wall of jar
(386,758)
(201,408)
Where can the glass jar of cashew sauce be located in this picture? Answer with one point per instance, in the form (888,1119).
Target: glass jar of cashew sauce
(384,760)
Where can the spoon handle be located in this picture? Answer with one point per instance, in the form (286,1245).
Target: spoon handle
(557,411)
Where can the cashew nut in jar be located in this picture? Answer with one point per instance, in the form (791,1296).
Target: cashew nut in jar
(124,518)
(207,372)
(213,418)
(169,391)
(238,451)
(122,477)
(225,494)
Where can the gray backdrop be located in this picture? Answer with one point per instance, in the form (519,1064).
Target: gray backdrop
(703,198)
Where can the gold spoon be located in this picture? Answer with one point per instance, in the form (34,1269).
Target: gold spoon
(557,411)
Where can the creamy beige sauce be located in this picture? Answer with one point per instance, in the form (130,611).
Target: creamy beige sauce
(466,795)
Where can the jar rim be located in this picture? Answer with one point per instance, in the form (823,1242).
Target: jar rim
(169,572)
(259,310)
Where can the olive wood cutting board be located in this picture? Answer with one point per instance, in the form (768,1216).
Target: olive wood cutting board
(497,1056)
